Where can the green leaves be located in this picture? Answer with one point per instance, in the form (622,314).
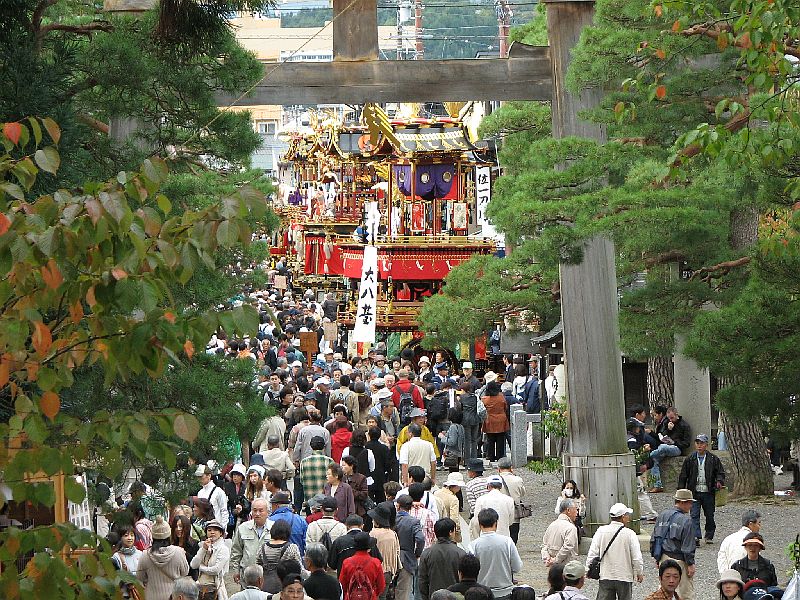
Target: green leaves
(47,159)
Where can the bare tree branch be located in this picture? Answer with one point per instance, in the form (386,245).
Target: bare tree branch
(88,29)
(720,269)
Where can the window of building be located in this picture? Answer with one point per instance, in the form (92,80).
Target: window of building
(267,127)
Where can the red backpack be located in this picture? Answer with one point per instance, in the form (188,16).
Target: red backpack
(360,587)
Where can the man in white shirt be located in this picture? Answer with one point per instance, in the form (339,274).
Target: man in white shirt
(417,451)
(621,560)
(213,493)
(731,549)
(514,487)
(500,502)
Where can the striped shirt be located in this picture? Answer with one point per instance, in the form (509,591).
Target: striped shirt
(475,488)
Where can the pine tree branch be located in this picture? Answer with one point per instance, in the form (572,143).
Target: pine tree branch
(664,257)
(739,121)
(720,269)
(93,123)
(714,30)
(38,15)
(88,29)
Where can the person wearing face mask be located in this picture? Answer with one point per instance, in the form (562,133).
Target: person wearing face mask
(569,490)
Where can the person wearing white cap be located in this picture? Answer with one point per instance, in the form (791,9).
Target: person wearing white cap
(500,502)
(425,373)
(448,501)
(468,377)
(621,561)
(212,492)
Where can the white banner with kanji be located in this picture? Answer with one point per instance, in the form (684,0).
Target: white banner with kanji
(483,195)
(367,301)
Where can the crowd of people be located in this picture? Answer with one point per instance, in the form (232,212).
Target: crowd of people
(369,482)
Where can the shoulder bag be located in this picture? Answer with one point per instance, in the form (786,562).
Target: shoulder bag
(133,593)
(521,510)
(594,566)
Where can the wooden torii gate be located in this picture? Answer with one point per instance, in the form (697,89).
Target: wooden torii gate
(599,459)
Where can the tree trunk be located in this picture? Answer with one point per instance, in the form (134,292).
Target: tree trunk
(660,381)
(753,476)
(745,440)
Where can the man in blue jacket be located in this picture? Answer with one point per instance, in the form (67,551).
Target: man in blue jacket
(281,511)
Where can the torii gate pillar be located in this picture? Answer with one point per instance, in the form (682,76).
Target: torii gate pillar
(598,458)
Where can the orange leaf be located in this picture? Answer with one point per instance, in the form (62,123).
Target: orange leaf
(33,370)
(90,299)
(659,10)
(50,404)
(5,223)
(661,91)
(118,273)
(676,26)
(52,275)
(102,348)
(169,316)
(42,339)
(744,41)
(661,54)
(12,131)
(5,372)
(76,312)
(188,347)
(722,41)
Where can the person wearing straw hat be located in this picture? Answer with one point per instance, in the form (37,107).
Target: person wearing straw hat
(673,539)
(730,585)
(448,501)
(212,560)
(754,566)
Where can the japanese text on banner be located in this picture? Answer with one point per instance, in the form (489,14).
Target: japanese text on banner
(483,194)
(367,301)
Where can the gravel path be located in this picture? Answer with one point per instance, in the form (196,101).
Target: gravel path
(781,523)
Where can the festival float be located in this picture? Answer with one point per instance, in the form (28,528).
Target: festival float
(409,195)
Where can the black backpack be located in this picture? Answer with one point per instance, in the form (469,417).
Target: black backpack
(437,406)
(405,407)
(326,539)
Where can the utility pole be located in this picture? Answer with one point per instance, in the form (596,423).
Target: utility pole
(504,15)
(403,16)
(418,29)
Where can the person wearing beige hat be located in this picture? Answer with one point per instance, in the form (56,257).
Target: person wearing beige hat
(730,585)
(448,501)
(754,566)
(673,539)
(212,561)
(162,564)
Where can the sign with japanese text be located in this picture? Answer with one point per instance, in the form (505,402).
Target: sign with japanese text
(483,195)
(367,301)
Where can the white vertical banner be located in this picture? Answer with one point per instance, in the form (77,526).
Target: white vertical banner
(483,195)
(367,302)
